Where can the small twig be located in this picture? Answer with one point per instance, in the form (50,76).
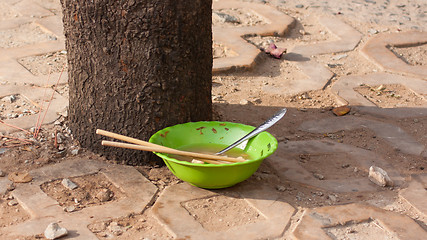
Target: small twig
(55,143)
(16,145)
(8,141)
(13,126)
(31,101)
(50,101)
(376,224)
(41,106)
(20,139)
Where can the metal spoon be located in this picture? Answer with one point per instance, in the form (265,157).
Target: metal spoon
(270,122)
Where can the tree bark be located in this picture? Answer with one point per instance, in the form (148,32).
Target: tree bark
(135,67)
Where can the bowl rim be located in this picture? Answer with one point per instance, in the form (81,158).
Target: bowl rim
(274,146)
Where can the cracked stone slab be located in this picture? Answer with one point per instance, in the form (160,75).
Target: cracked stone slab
(394,135)
(416,193)
(44,210)
(58,104)
(376,49)
(279,24)
(288,167)
(317,78)
(179,223)
(344,88)
(314,221)
(348,39)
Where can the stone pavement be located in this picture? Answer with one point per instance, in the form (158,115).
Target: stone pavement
(282,219)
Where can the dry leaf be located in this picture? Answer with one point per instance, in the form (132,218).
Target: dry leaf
(340,111)
(20,177)
(26,148)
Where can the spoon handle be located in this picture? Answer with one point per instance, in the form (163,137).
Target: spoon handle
(270,122)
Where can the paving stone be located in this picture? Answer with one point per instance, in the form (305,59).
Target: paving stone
(348,39)
(32,9)
(318,76)
(416,193)
(12,72)
(4,185)
(180,224)
(344,88)
(44,210)
(314,222)
(52,24)
(392,134)
(67,169)
(58,104)
(376,49)
(14,23)
(288,167)
(31,50)
(279,24)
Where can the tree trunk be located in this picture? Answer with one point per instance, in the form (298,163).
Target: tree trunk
(136,67)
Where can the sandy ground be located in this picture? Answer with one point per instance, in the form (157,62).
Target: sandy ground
(235,95)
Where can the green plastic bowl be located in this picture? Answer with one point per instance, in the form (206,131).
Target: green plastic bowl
(213,176)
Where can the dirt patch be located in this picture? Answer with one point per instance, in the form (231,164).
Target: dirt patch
(16,106)
(18,37)
(45,64)
(249,97)
(264,91)
(161,176)
(135,226)
(11,212)
(91,190)
(415,126)
(371,229)
(391,96)
(213,212)
(414,55)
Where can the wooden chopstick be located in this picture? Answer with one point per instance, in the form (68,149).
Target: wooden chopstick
(149,149)
(160,148)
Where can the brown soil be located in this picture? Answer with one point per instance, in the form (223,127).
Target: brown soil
(413,55)
(135,226)
(212,212)
(371,229)
(391,96)
(331,166)
(19,107)
(92,190)
(246,97)
(11,214)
